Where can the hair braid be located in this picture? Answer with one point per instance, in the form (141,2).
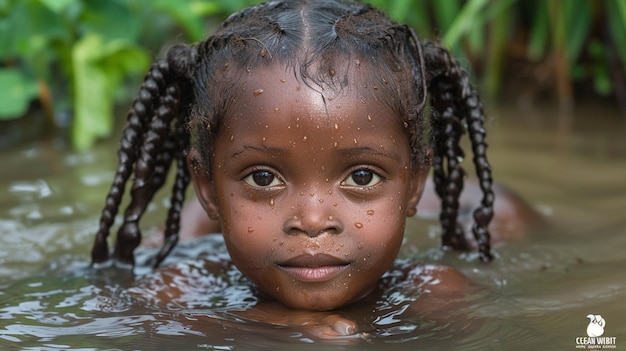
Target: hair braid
(144,184)
(172,225)
(483,214)
(457,107)
(132,135)
(448,173)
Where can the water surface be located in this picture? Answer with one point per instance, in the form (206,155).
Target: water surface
(537,293)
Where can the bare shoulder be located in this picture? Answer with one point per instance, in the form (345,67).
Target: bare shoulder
(435,279)
(439,292)
(513,217)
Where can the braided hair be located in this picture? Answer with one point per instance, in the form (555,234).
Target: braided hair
(184,96)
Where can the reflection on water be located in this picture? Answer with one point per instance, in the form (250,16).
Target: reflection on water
(538,292)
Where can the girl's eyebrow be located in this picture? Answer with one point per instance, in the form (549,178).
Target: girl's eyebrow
(262,148)
(359,150)
(348,152)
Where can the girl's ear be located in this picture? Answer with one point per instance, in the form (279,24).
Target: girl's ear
(202,183)
(418,183)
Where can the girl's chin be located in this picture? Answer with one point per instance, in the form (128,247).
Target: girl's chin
(319,301)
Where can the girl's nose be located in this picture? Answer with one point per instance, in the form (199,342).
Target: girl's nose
(312,218)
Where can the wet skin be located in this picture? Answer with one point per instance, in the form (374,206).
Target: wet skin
(311,197)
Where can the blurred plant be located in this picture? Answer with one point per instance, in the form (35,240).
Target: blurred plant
(76,57)
(577,40)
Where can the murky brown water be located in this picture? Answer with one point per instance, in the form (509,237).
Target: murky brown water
(539,290)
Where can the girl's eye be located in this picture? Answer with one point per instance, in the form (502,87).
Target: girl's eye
(362,178)
(262,179)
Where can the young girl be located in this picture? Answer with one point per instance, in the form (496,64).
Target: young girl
(306,129)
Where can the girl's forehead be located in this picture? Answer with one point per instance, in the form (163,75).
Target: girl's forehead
(274,110)
(276,89)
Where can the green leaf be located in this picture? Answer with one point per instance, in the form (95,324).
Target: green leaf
(539,32)
(111,19)
(57,6)
(17,92)
(184,15)
(578,18)
(616,15)
(98,68)
(445,12)
(32,28)
(463,22)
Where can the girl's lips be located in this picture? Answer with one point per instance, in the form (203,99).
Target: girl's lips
(313,268)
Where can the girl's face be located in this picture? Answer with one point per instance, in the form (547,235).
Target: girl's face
(312,195)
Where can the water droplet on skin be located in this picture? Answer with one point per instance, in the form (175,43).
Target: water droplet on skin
(334,204)
(330,218)
(321,201)
(295,218)
(278,289)
(276,109)
(257,92)
(312,194)
(331,72)
(250,230)
(369,118)
(232,138)
(335,144)
(283,80)
(304,139)
(358,225)
(291,250)
(357,63)
(406,124)
(263,52)
(281,243)
(271,202)
(370,212)
(355,141)
(336,129)
(330,191)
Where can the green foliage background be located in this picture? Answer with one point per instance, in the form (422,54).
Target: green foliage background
(79,58)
